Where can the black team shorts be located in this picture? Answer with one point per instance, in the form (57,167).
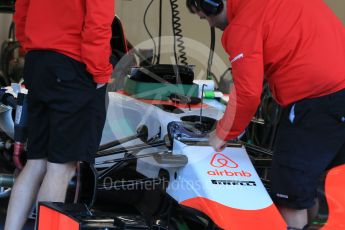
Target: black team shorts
(66,111)
(310,140)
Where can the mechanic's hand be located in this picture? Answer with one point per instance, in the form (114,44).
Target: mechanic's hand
(217,143)
(100,85)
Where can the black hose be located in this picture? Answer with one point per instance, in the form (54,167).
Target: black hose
(177,31)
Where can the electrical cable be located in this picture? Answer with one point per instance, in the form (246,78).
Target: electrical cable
(214,78)
(11,32)
(225,72)
(173,5)
(160,32)
(210,57)
(177,31)
(149,33)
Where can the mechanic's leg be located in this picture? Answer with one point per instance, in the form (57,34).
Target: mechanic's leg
(294,218)
(55,182)
(24,193)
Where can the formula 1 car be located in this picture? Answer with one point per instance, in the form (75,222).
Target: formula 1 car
(169,178)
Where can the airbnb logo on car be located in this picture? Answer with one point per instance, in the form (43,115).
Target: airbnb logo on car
(220,160)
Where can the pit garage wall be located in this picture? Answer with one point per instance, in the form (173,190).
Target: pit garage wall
(132,11)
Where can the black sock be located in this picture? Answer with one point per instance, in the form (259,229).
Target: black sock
(304,228)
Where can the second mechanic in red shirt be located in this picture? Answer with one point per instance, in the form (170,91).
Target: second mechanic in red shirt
(299,47)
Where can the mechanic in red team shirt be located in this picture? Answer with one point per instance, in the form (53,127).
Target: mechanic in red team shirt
(66,70)
(299,48)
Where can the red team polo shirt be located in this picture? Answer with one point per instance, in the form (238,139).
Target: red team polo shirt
(297,46)
(80,29)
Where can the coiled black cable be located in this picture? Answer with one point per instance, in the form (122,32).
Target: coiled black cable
(177,31)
